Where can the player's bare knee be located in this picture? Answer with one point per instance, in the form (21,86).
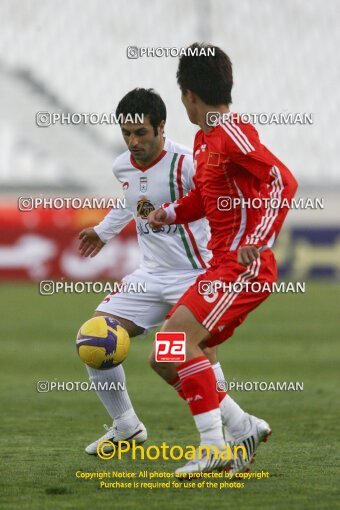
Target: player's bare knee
(211,354)
(153,363)
(130,326)
(104,314)
(183,320)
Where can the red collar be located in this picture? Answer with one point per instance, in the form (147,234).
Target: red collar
(153,163)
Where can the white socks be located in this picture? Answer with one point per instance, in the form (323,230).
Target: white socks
(231,412)
(118,405)
(117,402)
(218,371)
(209,425)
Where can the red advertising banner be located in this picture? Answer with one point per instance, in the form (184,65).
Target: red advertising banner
(43,244)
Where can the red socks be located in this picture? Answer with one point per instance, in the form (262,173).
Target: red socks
(177,385)
(198,385)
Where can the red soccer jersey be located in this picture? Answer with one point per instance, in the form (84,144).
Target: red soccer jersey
(231,162)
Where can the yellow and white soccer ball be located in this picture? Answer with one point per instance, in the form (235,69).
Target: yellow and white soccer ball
(103,343)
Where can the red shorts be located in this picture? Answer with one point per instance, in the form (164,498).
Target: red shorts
(222,297)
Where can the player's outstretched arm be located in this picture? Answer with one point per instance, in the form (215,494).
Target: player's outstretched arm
(93,239)
(243,147)
(158,218)
(184,210)
(90,243)
(247,254)
(113,223)
(282,187)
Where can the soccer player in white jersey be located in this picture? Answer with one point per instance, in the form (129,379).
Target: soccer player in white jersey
(152,171)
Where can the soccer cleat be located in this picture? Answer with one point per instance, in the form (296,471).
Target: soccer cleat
(113,434)
(254,432)
(203,464)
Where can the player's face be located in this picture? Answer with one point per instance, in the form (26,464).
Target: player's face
(141,140)
(190,106)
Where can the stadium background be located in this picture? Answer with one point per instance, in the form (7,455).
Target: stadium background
(72,57)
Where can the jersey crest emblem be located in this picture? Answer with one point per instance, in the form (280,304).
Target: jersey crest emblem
(213,159)
(143,184)
(144,208)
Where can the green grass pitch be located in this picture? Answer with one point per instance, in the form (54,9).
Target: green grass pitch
(43,435)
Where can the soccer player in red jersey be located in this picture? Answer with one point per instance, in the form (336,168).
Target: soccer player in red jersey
(233,169)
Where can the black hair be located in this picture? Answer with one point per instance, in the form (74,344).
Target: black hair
(145,102)
(207,71)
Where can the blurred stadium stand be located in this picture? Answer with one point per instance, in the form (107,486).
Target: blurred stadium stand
(72,57)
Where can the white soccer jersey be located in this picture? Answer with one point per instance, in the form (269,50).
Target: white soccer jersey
(175,247)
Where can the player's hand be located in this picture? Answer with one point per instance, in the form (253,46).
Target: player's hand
(157,219)
(90,243)
(247,254)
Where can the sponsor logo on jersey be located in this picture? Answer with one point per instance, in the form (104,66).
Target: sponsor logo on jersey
(201,149)
(144,207)
(143,184)
(196,397)
(125,185)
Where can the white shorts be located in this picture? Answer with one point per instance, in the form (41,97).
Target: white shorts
(148,309)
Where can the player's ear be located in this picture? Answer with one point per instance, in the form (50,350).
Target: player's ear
(191,96)
(161,126)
